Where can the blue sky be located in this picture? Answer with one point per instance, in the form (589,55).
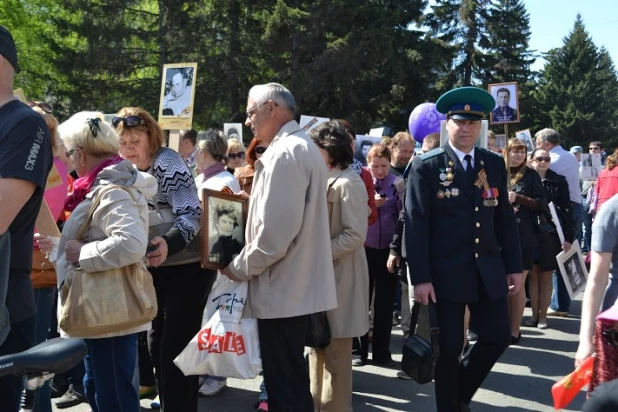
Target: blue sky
(552,20)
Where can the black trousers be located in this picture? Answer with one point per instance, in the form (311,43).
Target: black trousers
(182,292)
(384,284)
(282,345)
(457,381)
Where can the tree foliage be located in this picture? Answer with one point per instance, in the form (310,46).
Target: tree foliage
(370,62)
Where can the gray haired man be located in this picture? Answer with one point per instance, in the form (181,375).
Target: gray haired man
(287,258)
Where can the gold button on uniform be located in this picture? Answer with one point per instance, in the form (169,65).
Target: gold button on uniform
(476,209)
(477,240)
(478,224)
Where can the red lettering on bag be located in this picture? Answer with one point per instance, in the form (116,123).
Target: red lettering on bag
(216,344)
(203,339)
(230,342)
(240,345)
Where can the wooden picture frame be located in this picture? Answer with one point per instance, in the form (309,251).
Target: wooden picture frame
(219,208)
(512,108)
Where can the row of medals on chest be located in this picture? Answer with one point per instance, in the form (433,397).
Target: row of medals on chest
(446,179)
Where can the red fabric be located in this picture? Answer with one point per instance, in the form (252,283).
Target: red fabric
(371,192)
(82,186)
(607,185)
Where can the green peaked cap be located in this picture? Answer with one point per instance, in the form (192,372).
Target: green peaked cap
(465,103)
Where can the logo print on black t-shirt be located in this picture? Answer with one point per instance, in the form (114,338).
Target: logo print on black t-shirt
(34,151)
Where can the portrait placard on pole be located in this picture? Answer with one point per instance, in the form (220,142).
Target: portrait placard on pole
(506,109)
(177,96)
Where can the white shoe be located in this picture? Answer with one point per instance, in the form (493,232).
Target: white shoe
(211,387)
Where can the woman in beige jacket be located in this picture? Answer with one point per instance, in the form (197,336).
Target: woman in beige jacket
(117,236)
(330,369)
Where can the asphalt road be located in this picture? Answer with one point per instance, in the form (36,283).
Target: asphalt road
(520,382)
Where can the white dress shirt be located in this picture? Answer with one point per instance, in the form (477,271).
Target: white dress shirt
(460,155)
(565,163)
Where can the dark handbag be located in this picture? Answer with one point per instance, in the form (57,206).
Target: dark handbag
(420,356)
(161,220)
(318,331)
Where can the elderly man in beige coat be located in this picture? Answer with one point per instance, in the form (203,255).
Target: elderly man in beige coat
(287,258)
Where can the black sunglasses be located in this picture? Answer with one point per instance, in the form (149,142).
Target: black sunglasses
(42,105)
(129,121)
(240,155)
(543,159)
(260,149)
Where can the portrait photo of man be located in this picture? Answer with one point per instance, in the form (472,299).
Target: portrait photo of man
(506,109)
(178,91)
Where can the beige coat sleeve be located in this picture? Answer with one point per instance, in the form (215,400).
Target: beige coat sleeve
(353,219)
(118,217)
(280,214)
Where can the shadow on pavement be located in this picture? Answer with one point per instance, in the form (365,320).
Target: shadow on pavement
(390,393)
(528,388)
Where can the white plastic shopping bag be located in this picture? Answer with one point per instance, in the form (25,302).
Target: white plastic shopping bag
(227,345)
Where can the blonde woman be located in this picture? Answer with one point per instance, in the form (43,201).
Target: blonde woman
(236,154)
(116,237)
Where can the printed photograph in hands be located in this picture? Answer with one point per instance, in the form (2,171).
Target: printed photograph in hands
(223,228)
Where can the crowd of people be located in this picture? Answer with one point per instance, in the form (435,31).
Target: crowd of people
(359,236)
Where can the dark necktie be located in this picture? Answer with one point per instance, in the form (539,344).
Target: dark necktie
(469,167)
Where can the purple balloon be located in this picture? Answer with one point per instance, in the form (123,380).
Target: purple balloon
(424,120)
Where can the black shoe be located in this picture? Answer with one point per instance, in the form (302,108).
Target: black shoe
(472,337)
(515,340)
(57,390)
(387,363)
(70,398)
(464,407)
(396,319)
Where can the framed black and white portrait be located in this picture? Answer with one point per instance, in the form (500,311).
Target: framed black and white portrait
(223,228)
(506,109)
(573,270)
(526,136)
(233,131)
(362,146)
(177,96)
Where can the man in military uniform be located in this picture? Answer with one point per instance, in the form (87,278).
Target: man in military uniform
(462,246)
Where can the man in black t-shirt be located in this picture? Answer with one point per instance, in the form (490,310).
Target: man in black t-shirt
(25,161)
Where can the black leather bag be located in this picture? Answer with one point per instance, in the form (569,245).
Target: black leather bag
(318,331)
(420,356)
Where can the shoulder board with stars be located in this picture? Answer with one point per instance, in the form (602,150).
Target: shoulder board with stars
(432,153)
(490,152)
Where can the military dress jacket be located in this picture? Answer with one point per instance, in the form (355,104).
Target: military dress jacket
(460,236)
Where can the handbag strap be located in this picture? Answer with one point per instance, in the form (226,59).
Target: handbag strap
(95,204)
(434,327)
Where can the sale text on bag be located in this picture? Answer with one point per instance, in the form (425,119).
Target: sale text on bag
(231,342)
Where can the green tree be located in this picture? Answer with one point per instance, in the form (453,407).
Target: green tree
(575,80)
(461,24)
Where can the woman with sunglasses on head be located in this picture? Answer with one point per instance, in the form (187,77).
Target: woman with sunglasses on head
(527,197)
(115,237)
(540,279)
(236,154)
(182,286)
(246,173)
